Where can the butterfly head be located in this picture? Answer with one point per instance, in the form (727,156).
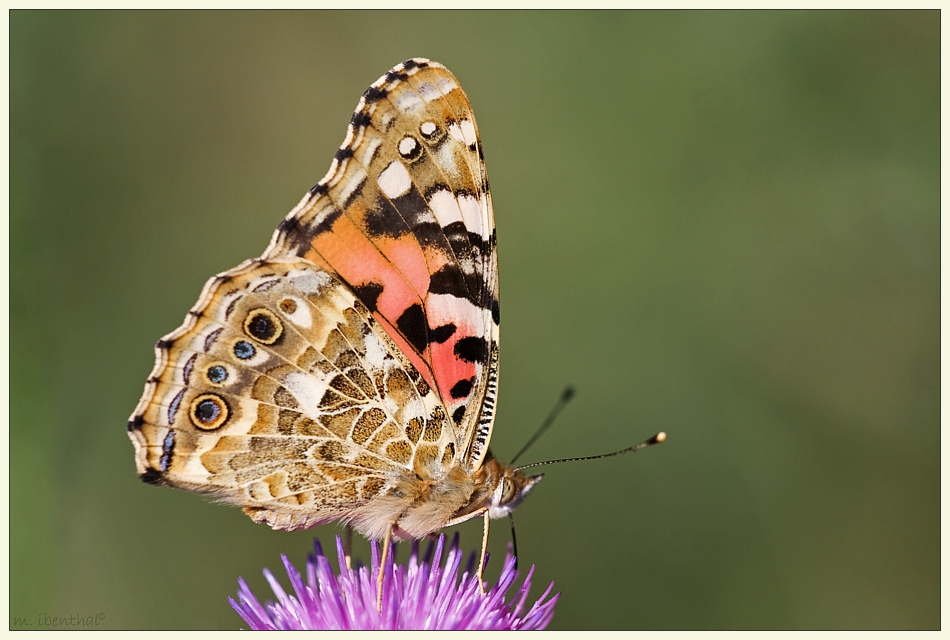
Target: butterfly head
(511,489)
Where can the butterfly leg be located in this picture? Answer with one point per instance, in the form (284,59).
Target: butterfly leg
(382,566)
(481,558)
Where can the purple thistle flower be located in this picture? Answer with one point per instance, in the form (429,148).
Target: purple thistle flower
(415,596)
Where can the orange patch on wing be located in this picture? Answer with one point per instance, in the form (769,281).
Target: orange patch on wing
(347,251)
(449,368)
(405,254)
(360,262)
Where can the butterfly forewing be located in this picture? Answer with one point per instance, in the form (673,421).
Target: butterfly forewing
(404,217)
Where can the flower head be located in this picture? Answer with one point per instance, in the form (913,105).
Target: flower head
(418,595)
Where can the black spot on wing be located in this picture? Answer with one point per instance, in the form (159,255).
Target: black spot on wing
(483,247)
(448,279)
(471,349)
(443,333)
(151,476)
(467,248)
(374,94)
(414,209)
(360,119)
(462,388)
(451,280)
(393,75)
(458,414)
(429,234)
(369,294)
(495,312)
(384,219)
(343,154)
(414,326)
(288,226)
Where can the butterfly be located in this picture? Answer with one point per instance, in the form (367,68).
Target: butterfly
(350,372)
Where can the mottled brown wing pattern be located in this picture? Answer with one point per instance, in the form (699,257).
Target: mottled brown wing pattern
(404,217)
(282,394)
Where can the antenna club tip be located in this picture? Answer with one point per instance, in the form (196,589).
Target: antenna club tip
(568,392)
(660,437)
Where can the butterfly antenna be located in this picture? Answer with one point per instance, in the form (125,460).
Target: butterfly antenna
(658,438)
(566,396)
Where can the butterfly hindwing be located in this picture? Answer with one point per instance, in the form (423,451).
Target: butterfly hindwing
(404,218)
(282,394)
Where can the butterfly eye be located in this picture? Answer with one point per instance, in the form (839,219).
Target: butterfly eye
(263,326)
(507,490)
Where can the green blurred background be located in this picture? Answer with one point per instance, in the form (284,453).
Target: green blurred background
(721,225)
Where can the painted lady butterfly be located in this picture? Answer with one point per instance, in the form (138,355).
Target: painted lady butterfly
(350,372)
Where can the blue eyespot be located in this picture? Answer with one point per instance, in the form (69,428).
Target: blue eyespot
(218,374)
(244,350)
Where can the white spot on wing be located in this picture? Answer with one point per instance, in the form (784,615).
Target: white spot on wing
(367,150)
(412,408)
(407,100)
(456,132)
(301,316)
(427,128)
(394,180)
(468,132)
(307,391)
(446,160)
(445,207)
(310,282)
(442,308)
(472,215)
(407,145)
(354,180)
(446,85)
(429,92)
(375,352)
